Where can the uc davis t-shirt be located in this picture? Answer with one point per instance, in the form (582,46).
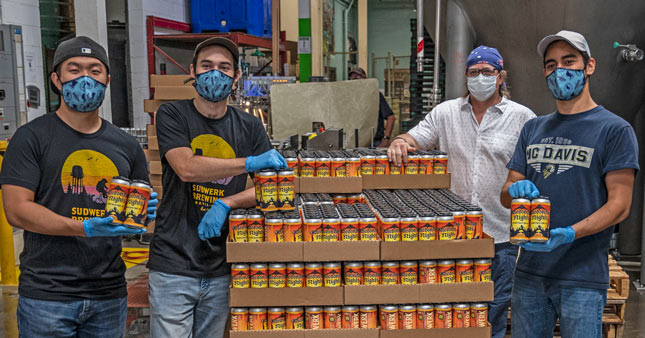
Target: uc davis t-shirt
(567,157)
(176,247)
(69,173)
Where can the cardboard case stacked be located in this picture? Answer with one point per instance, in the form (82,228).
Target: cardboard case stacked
(168,88)
(362,294)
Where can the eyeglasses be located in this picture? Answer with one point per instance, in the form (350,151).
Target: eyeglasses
(475,72)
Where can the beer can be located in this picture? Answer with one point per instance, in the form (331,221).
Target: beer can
(382,166)
(390,273)
(313,275)
(331,229)
(117,199)
(332,317)
(440,164)
(314,318)
(292,230)
(354,198)
(331,274)
(295,318)
(459,220)
(353,167)
(428,272)
(307,167)
(474,224)
(258,318)
(313,230)
(446,229)
(540,219)
(368,229)
(460,315)
(323,167)
(389,317)
(412,165)
(483,270)
(238,230)
(368,162)
(425,164)
(268,181)
(286,190)
(407,317)
(239,319)
(255,225)
(391,228)
(338,167)
(292,164)
(277,275)
(427,228)
(371,273)
(409,229)
(349,229)
(295,275)
(277,318)
(259,276)
(353,273)
(351,317)
(395,169)
(520,220)
(479,315)
(340,198)
(425,316)
(369,317)
(443,316)
(136,209)
(446,271)
(465,271)
(240,276)
(409,272)
(273,230)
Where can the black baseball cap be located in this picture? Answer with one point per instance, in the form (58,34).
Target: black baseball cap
(219,41)
(78,46)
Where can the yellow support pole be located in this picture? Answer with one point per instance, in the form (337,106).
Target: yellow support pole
(7,258)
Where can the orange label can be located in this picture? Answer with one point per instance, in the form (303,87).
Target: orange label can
(351,317)
(446,271)
(295,318)
(307,167)
(428,272)
(238,229)
(333,317)
(443,316)
(382,165)
(372,273)
(395,169)
(412,165)
(459,220)
(117,199)
(474,224)
(331,275)
(136,210)
(391,228)
(369,317)
(353,273)
(465,272)
(331,229)
(479,315)
(277,275)
(390,273)
(349,229)
(368,162)
(427,228)
(313,230)
(409,229)
(461,315)
(482,270)
(239,319)
(240,277)
(258,318)
(292,164)
(425,165)
(259,276)
(313,275)
(268,181)
(295,275)
(277,318)
(273,230)
(368,229)
(293,230)
(255,226)
(446,229)
(407,317)
(520,220)
(323,167)
(425,316)
(440,165)
(314,318)
(409,272)
(540,219)
(353,167)
(389,317)
(286,190)
(338,167)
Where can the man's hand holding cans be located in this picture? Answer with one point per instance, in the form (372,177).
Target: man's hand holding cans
(398,151)
(268,160)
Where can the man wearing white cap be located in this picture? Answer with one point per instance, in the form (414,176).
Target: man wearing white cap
(584,158)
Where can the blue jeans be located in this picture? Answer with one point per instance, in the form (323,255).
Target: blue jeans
(502,275)
(188,307)
(85,318)
(537,305)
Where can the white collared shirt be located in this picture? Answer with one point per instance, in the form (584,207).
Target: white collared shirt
(478,153)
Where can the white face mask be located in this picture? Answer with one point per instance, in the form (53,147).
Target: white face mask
(482,87)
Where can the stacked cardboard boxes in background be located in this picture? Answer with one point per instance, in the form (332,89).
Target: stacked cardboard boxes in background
(168,88)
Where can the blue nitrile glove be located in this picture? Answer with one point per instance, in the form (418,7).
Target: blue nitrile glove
(152,207)
(211,224)
(523,188)
(103,226)
(559,236)
(269,160)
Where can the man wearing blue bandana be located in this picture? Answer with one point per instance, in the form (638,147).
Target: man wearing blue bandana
(584,158)
(479,131)
(55,177)
(207,149)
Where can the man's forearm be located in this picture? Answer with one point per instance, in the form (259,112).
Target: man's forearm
(206,169)
(609,214)
(36,218)
(389,126)
(408,139)
(244,199)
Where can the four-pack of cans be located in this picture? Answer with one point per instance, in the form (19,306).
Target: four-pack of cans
(530,220)
(127,202)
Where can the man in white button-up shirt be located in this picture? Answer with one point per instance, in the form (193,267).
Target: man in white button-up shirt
(479,132)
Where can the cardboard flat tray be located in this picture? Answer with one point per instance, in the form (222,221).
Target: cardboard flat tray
(341,251)
(471,332)
(285,297)
(339,185)
(328,333)
(419,293)
(264,252)
(406,182)
(461,248)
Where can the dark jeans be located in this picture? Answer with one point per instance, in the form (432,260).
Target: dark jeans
(85,318)
(502,274)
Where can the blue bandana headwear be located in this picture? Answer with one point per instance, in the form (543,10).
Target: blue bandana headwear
(487,55)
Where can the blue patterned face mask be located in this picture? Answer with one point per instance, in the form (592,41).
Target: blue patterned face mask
(83,94)
(565,84)
(213,85)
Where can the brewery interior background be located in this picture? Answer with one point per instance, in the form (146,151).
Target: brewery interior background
(294,42)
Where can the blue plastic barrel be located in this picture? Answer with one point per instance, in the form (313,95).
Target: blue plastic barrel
(250,16)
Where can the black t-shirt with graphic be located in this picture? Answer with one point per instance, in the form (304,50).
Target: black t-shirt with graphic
(69,173)
(176,247)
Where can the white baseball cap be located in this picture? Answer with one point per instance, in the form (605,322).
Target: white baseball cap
(576,40)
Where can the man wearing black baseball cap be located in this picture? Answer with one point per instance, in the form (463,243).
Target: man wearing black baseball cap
(583,158)
(54,178)
(207,150)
